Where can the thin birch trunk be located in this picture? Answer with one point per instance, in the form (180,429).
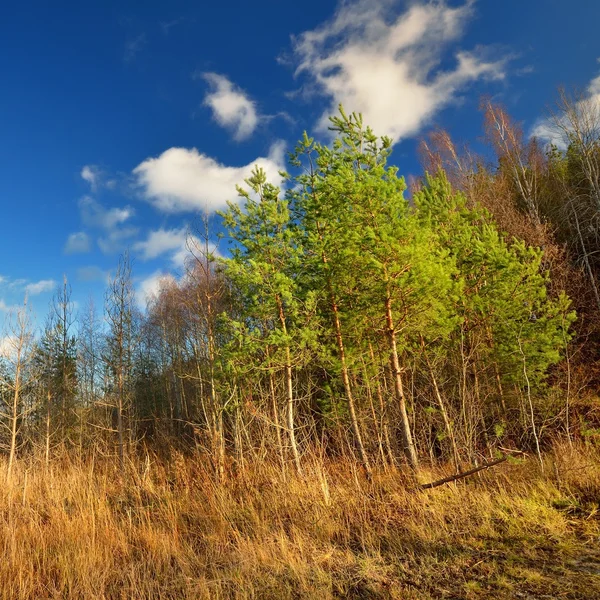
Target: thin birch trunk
(407,439)
(289,386)
(348,387)
(442,405)
(275,410)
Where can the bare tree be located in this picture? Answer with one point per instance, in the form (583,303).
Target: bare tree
(18,356)
(574,126)
(88,353)
(523,160)
(118,358)
(206,289)
(576,122)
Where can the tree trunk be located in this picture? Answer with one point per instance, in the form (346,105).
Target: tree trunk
(384,417)
(407,440)
(120,419)
(348,387)
(48,406)
(442,405)
(275,410)
(14,420)
(289,387)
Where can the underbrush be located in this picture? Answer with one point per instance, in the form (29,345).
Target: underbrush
(166,529)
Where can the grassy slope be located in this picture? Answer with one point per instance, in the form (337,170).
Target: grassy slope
(167,531)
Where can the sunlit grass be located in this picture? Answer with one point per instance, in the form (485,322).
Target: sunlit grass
(166,529)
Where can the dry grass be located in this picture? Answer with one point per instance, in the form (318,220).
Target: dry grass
(168,531)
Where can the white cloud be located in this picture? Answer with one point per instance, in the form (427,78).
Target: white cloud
(116,239)
(178,243)
(166,26)
(17,283)
(183,179)
(544,130)
(133,47)
(231,107)
(77,243)
(194,248)
(45,285)
(186,246)
(93,214)
(8,345)
(387,66)
(594,87)
(161,241)
(585,109)
(91,174)
(150,286)
(110,221)
(181,256)
(6,307)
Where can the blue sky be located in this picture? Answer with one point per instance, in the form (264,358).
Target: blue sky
(121,122)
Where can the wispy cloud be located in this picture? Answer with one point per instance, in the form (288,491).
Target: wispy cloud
(93,214)
(117,239)
(23,286)
(77,243)
(91,174)
(388,65)
(183,179)
(110,221)
(97,178)
(166,26)
(40,287)
(92,273)
(5,308)
(17,283)
(133,47)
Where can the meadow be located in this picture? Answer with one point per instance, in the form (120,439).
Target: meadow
(164,528)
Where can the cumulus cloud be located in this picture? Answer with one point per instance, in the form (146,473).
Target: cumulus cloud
(183,179)
(39,287)
(230,106)
(388,66)
(77,243)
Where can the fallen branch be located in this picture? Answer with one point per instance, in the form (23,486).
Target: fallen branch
(433,484)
